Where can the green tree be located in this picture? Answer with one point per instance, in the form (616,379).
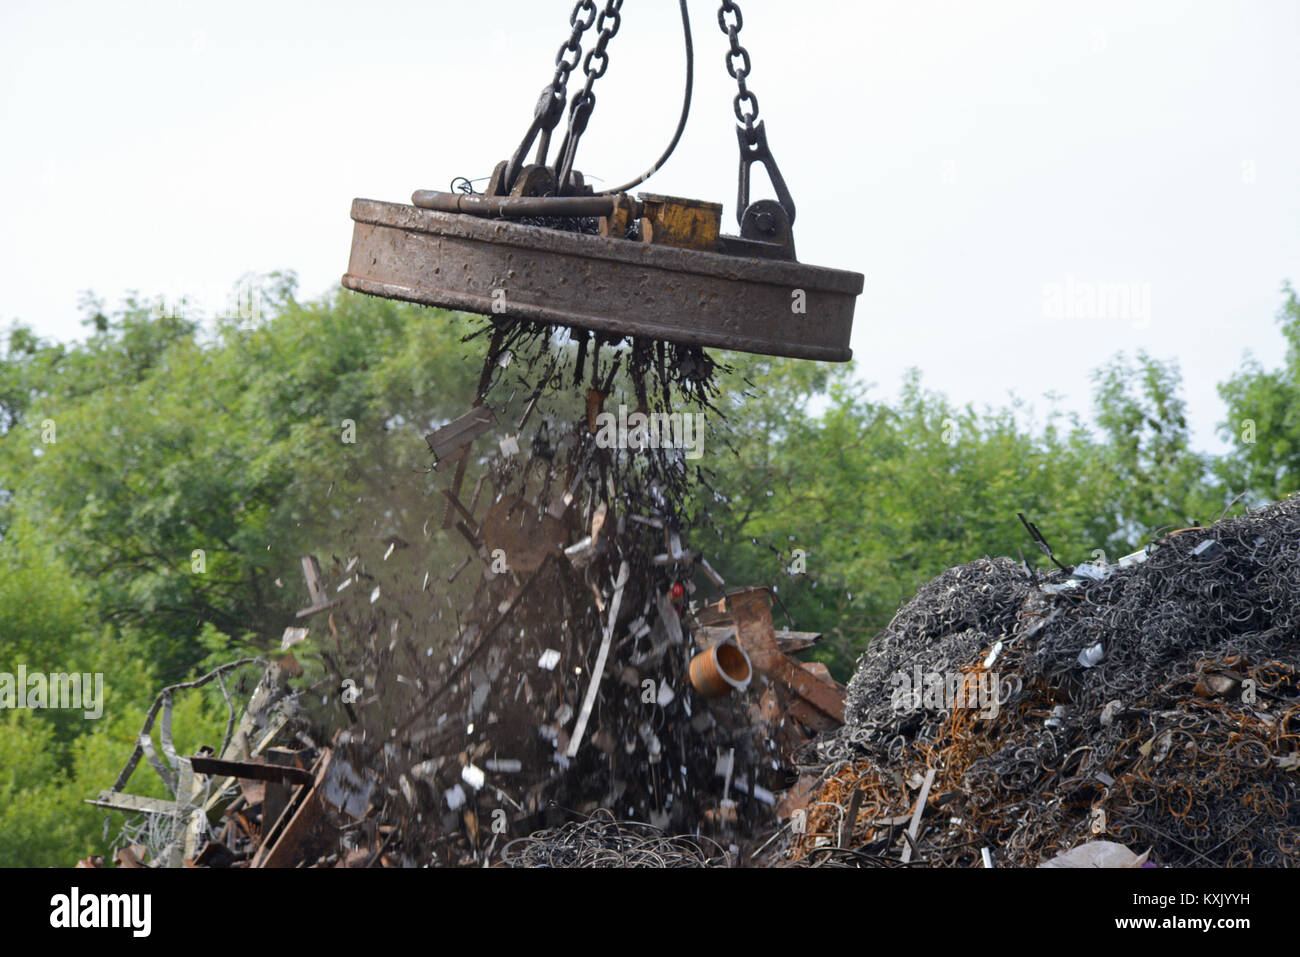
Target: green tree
(1263,420)
(1161,479)
(185,476)
(158,483)
(854,506)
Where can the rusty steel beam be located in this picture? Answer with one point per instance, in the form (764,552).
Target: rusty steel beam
(752,611)
(301,826)
(612,285)
(253,770)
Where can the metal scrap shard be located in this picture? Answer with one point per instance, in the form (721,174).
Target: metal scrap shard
(460,432)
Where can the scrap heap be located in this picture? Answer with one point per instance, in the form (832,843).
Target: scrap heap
(1154,703)
(560,690)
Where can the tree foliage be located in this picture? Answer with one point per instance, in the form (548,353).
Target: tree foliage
(1263,421)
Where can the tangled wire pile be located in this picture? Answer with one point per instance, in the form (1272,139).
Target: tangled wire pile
(1156,705)
(602,841)
(528,361)
(846,858)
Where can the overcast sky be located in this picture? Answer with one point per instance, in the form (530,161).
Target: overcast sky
(981,162)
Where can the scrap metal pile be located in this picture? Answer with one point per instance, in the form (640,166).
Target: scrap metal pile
(601,841)
(510,703)
(1154,703)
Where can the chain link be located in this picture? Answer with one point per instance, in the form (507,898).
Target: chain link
(563,64)
(550,107)
(607,25)
(594,66)
(738,65)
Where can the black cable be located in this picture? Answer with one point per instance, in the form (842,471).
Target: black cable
(681,122)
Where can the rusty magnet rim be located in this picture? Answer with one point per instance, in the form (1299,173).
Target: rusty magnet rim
(615,286)
(503,232)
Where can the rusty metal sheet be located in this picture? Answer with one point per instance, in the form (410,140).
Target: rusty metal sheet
(514,526)
(460,432)
(688,223)
(753,616)
(288,842)
(594,282)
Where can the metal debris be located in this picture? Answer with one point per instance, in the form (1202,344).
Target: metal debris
(1175,740)
(602,841)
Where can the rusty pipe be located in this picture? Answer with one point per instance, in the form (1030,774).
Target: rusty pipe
(720,670)
(595,404)
(478,204)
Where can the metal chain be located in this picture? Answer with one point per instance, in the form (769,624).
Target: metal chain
(738,66)
(750,133)
(550,106)
(564,65)
(607,25)
(584,101)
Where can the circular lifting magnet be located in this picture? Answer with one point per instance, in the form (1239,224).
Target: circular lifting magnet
(611,285)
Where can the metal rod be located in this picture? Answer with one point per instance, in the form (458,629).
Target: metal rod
(477,204)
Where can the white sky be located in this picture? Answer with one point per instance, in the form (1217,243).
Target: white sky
(171,148)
